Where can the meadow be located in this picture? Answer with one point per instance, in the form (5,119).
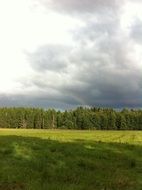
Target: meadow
(32,159)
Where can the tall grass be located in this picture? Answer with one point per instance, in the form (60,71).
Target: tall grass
(70,160)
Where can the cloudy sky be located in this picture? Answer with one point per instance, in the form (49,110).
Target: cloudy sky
(65,53)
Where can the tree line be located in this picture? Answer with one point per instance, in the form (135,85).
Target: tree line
(79,118)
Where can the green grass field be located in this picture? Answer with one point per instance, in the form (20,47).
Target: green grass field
(70,160)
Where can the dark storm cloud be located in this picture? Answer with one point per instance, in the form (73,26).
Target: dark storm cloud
(43,101)
(97,69)
(101,77)
(107,86)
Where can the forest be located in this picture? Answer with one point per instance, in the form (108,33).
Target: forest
(79,118)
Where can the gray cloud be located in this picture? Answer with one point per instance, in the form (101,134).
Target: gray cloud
(97,69)
(136,30)
(50,57)
(75,6)
(98,74)
(44,101)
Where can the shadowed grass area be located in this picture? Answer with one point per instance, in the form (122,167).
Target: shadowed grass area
(35,163)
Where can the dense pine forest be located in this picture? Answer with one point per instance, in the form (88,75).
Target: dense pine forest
(80,118)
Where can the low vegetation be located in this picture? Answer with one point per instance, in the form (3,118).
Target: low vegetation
(70,160)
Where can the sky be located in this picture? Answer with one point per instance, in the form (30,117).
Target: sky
(67,53)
